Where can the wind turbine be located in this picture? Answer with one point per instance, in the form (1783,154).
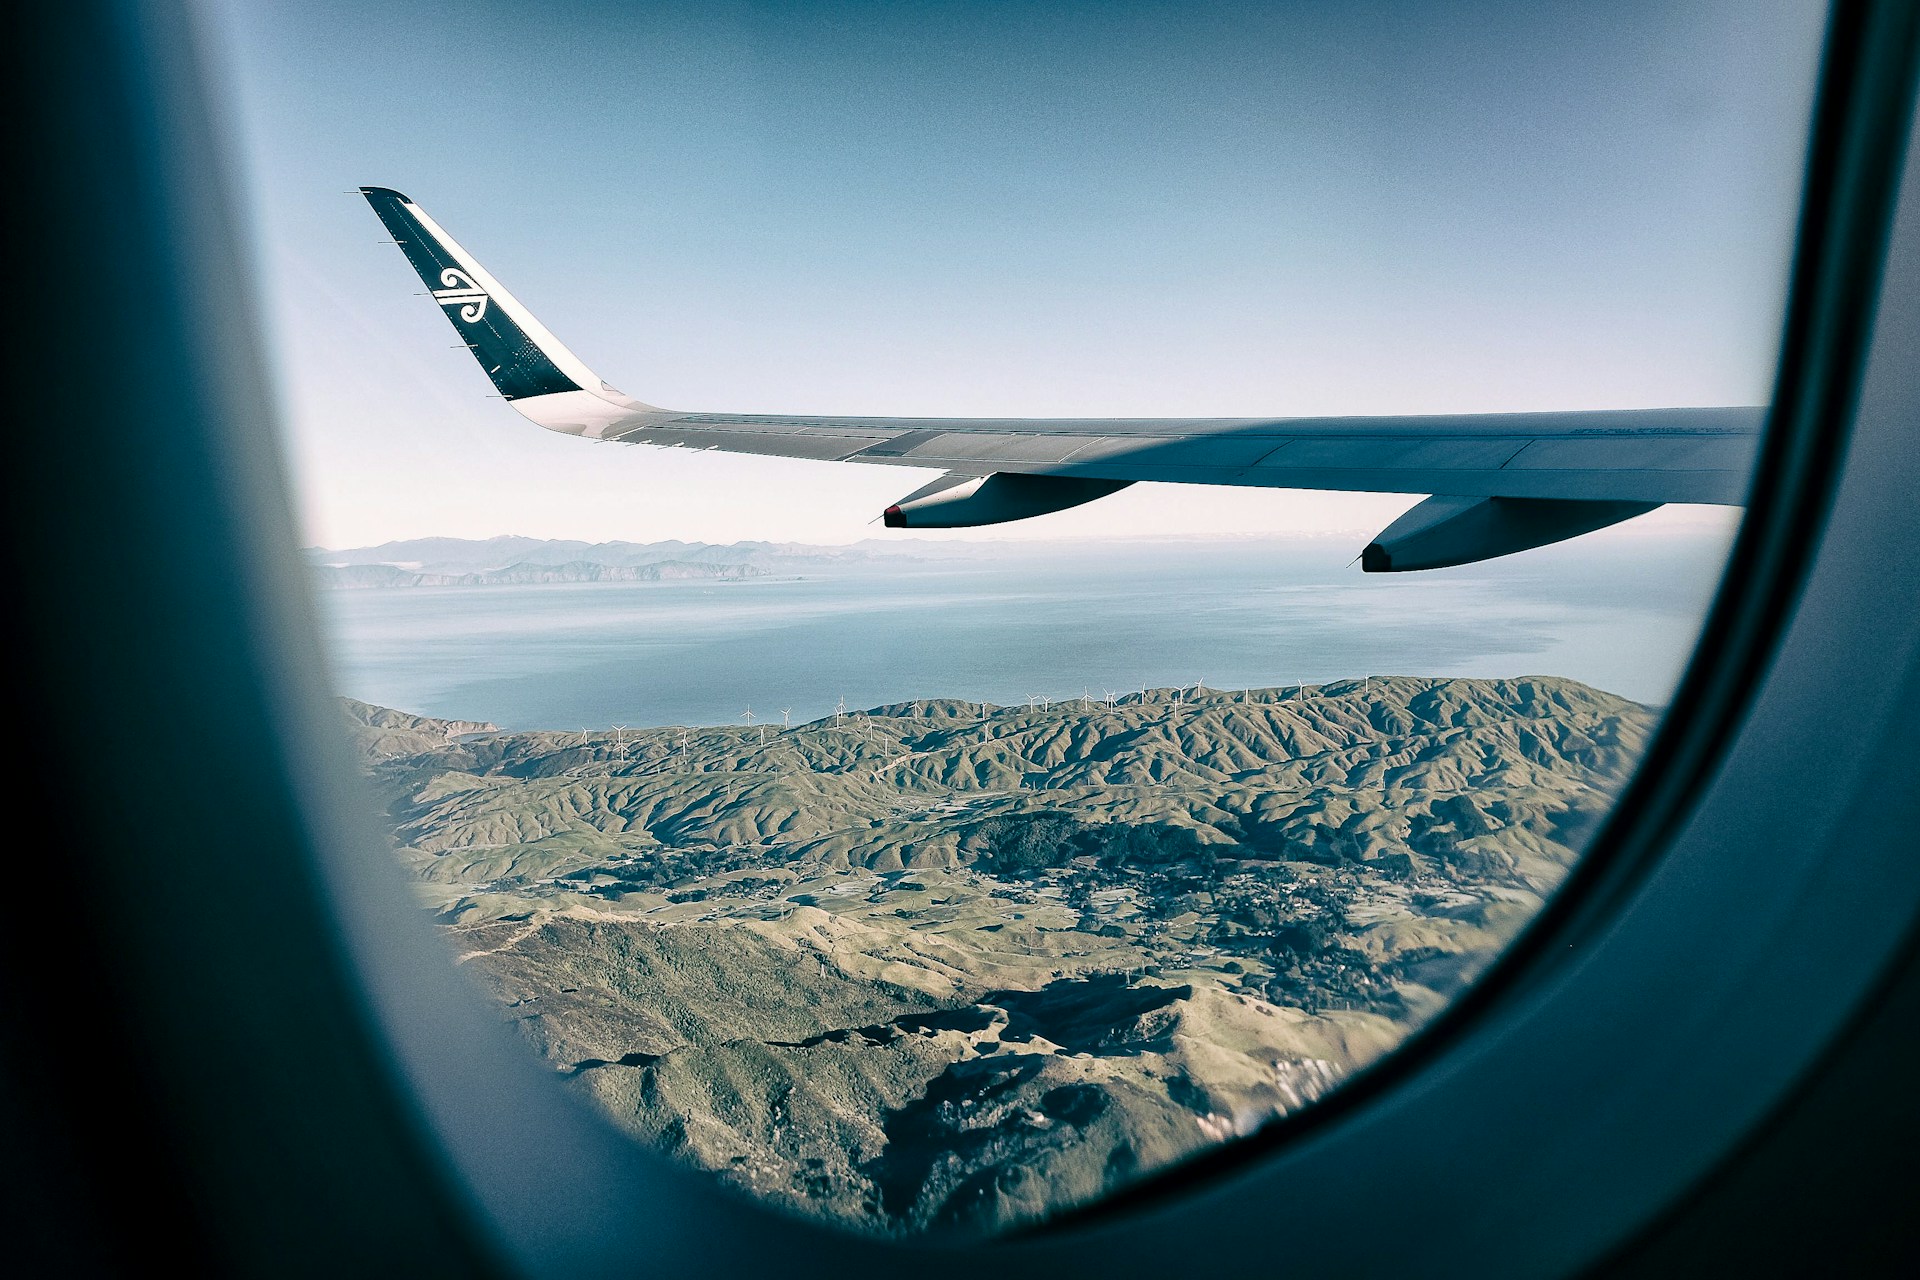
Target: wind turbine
(840,708)
(786,714)
(620,740)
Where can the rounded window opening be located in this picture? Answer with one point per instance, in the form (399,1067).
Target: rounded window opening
(1191,521)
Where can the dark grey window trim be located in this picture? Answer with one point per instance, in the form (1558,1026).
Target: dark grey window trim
(301,1083)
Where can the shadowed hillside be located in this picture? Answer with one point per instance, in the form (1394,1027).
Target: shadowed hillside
(944,966)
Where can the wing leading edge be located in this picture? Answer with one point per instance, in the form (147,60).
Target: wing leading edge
(1504,481)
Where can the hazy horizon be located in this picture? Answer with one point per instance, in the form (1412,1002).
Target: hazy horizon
(999,622)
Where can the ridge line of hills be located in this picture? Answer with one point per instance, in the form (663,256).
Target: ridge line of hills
(939,967)
(348,577)
(514,561)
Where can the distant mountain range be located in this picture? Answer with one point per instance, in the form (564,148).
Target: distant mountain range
(515,561)
(347,577)
(512,560)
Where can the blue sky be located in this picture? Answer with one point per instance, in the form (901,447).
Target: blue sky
(1025,209)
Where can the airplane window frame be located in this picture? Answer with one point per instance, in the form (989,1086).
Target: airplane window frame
(381,1094)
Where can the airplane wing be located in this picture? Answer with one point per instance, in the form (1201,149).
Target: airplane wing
(1500,482)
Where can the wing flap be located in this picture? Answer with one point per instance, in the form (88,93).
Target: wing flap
(819,445)
(1645,453)
(1398,453)
(961,446)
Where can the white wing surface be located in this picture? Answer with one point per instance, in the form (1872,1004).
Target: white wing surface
(1509,480)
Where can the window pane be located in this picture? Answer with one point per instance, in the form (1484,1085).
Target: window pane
(943,879)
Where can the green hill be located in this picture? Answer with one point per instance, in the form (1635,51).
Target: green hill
(944,966)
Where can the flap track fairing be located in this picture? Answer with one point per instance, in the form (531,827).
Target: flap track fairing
(1444,531)
(962,502)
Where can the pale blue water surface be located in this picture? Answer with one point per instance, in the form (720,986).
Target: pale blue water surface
(1014,620)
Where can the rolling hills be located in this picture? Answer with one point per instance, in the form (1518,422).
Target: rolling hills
(944,966)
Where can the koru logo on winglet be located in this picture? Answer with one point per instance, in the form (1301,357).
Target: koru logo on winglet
(461,292)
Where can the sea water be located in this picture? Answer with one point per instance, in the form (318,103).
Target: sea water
(1003,623)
